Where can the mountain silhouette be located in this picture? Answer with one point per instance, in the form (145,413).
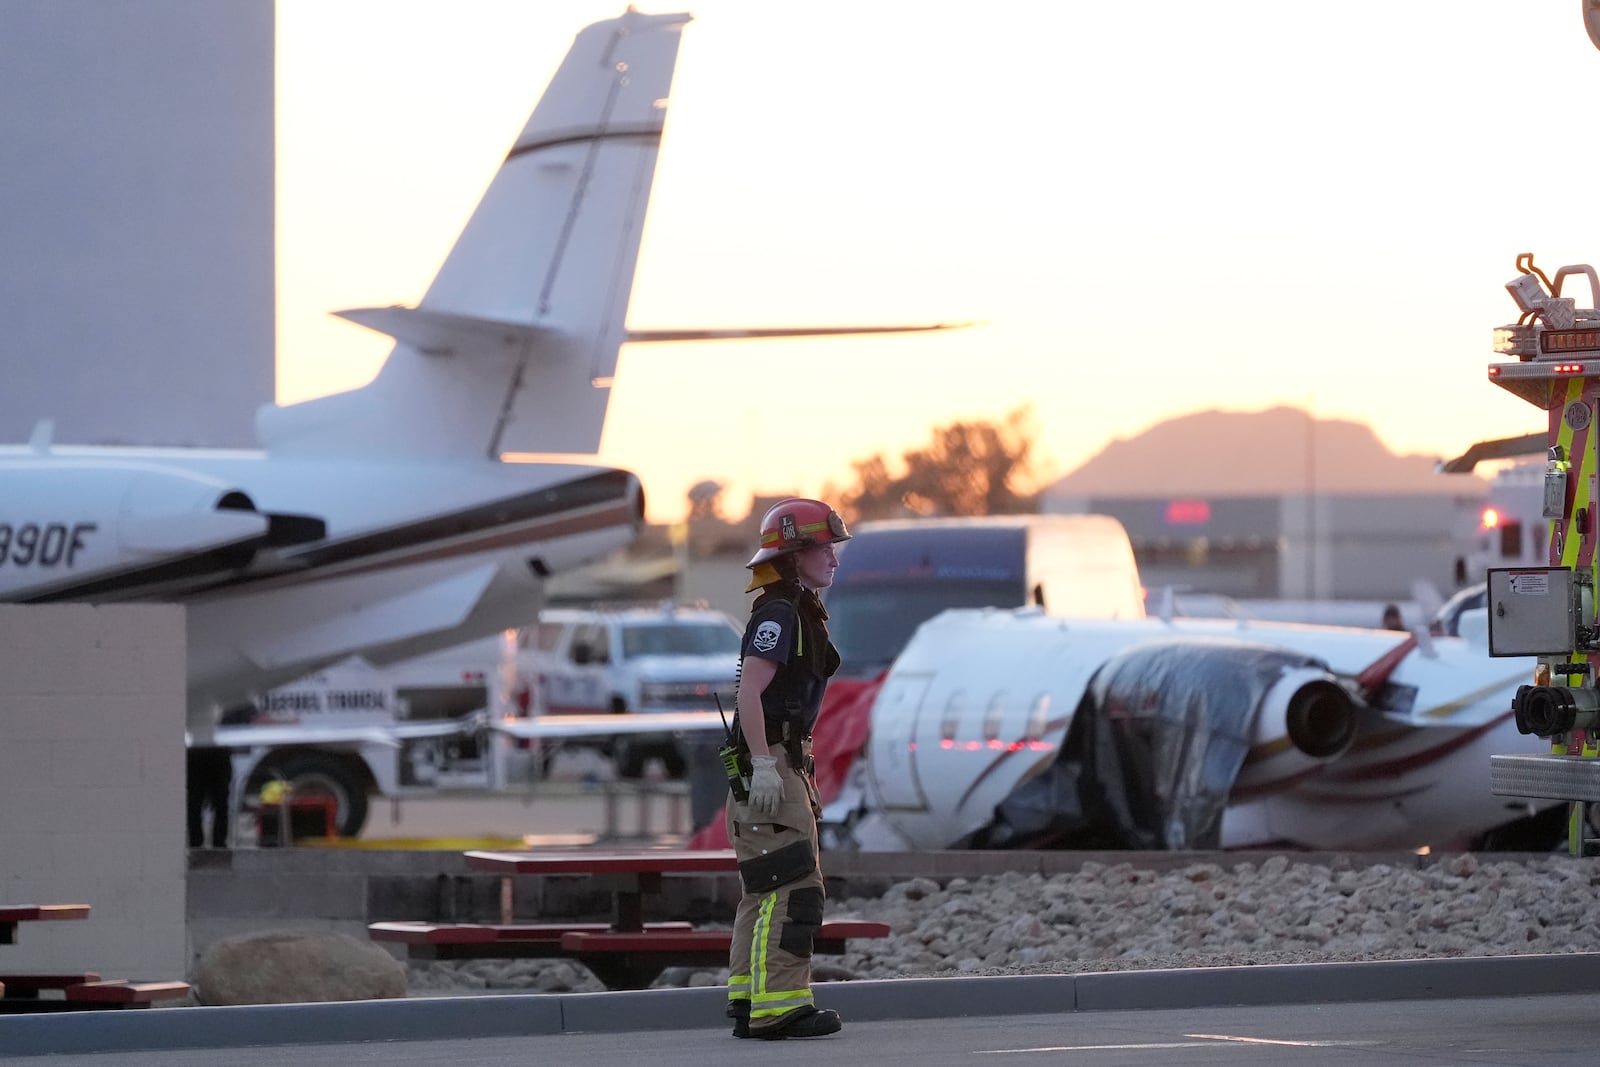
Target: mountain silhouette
(1259,453)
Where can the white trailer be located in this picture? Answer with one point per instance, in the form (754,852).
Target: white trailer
(415,728)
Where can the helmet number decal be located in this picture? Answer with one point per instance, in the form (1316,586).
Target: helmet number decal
(766,637)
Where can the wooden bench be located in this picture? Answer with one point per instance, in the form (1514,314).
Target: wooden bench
(469,941)
(124,994)
(42,912)
(82,992)
(30,985)
(634,960)
(621,960)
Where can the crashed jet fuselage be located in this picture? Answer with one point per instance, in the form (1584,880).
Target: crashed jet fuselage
(1015,729)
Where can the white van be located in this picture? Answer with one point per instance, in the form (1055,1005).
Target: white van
(893,575)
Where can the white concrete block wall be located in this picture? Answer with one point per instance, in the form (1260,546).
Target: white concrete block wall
(158,268)
(92,786)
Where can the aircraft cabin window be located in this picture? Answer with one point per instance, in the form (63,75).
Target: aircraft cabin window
(1038,718)
(993,716)
(953,709)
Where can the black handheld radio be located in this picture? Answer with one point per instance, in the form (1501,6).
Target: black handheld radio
(729,753)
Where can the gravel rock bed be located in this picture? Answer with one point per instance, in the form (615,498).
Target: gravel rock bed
(1109,917)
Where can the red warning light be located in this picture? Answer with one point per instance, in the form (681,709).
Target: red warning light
(1491,518)
(1188,512)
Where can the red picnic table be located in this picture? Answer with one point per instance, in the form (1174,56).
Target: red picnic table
(13,915)
(20,992)
(626,954)
(628,874)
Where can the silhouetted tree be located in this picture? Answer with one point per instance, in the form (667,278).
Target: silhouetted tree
(705,500)
(969,468)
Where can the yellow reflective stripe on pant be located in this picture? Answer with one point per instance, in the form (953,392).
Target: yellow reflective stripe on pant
(765,1002)
(775,924)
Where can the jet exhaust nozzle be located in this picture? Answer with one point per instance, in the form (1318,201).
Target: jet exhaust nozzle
(1319,714)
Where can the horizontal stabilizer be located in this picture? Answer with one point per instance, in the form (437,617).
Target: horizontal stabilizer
(441,333)
(1529,444)
(651,336)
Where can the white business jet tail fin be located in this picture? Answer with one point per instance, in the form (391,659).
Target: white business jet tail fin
(514,345)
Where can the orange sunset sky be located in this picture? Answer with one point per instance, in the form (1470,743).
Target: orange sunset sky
(1151,209)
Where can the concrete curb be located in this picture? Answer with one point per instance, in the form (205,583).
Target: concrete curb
(515,1015)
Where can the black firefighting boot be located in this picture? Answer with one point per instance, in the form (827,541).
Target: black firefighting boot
(805,1022)
(740,1011)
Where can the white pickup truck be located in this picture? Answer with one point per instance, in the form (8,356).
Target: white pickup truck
(633,660)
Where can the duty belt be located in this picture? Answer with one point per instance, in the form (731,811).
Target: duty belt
(775,736)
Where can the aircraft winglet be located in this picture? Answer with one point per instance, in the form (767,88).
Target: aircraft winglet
(44,431)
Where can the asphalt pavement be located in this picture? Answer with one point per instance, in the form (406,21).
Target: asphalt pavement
(1558,1030)
(1530,1010)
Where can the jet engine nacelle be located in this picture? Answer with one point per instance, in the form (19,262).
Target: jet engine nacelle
(1289,712)
(1313,710)
(1307,718)
(115,527)
(970,742)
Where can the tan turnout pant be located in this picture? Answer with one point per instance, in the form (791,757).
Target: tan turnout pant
(769,967)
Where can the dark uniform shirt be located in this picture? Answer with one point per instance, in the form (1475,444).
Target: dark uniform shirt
(786,626)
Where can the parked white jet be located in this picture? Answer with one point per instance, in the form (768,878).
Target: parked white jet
(381,521)
(1014,729)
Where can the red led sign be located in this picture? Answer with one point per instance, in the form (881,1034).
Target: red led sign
(1188,512)
(1556,341)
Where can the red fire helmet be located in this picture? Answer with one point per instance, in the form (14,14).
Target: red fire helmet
(796,523)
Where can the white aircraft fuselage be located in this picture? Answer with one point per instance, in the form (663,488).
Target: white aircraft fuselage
(409,551)
(381,521)
(1321,737)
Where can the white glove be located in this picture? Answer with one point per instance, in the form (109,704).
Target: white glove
(766,788)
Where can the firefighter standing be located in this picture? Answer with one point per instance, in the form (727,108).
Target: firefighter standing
(786,660)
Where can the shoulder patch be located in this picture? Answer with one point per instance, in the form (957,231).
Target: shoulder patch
(765,639)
